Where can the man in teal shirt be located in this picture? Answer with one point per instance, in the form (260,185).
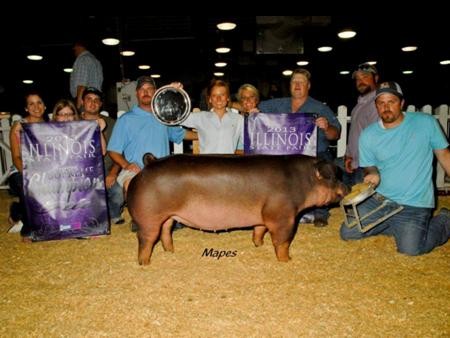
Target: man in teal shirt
(397,154)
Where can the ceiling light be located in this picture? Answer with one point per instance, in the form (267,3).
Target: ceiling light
(68,70)
(219,74)
(223,50)
(407,72)
(111,41)
(226,26)
(344,72)
(155,76)
(347,34)
(409,48)
(287,72)
(27,81)
(445,62)
(220,64)
(372,63)
(325,49)
(303,63)
(144,67)
(127,53)
(35,57)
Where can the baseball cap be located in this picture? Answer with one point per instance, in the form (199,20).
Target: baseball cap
(141,80)
(366,68)
(389,87)
(92,90)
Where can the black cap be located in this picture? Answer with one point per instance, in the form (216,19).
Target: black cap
(92,90)
(141,80)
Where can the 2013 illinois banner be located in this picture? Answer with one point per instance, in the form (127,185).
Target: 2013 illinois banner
(63,179)
(280,134)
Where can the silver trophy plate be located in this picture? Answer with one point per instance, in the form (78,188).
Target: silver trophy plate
(170,105)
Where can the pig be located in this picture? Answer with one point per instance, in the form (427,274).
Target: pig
(219,192)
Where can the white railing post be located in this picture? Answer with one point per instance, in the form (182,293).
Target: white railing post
(343,120)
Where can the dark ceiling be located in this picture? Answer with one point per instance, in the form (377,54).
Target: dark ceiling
(182,48)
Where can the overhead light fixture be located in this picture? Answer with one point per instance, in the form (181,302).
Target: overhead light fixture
(127,53)
(219,74)
(344,72)
(68,70)
(143,67)
(27,81)
(325,49)
(220,64)
(444,62)
(223,50)
(347,33)
(287,72)
(303,63)
(372,63)
(409,48)
(155,76)
(407,72)
(226,26)
(35,57)
(111,41)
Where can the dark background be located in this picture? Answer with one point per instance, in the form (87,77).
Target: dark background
(182,48)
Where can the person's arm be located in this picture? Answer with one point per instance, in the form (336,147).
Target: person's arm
(371,176)
(102,124)
(14,142)
(190,135)
(122,162)
(443,156)
(111,178)
(331,132)
(79,98)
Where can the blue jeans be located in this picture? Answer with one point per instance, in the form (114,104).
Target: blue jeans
(115,200)
(414,230)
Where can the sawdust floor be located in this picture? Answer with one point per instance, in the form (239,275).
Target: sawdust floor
(91,288)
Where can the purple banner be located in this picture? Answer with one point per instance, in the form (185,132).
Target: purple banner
(63,180)
(280,134)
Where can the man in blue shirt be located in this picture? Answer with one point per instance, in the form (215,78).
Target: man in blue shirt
(138,132)
(397,155)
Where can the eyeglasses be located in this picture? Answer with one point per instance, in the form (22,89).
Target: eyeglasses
(245,98)
(66,114)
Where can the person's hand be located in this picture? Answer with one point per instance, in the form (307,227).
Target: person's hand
(133,167)
(348,164)
(101,123)
(110,179)
(322,123)
(177,85)
(372,179)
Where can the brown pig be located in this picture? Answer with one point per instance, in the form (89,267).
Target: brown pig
(216,192)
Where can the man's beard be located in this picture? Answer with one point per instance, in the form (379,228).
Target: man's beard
(364,89)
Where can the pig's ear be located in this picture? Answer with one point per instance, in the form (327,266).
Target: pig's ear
(148,157)
(325,169)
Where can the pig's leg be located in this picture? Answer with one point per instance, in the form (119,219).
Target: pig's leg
(258,234)
(147,237)
(166,235)
(282,235)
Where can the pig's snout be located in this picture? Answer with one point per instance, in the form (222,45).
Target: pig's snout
(342,190)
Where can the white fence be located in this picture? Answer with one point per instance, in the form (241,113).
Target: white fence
(442,113)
